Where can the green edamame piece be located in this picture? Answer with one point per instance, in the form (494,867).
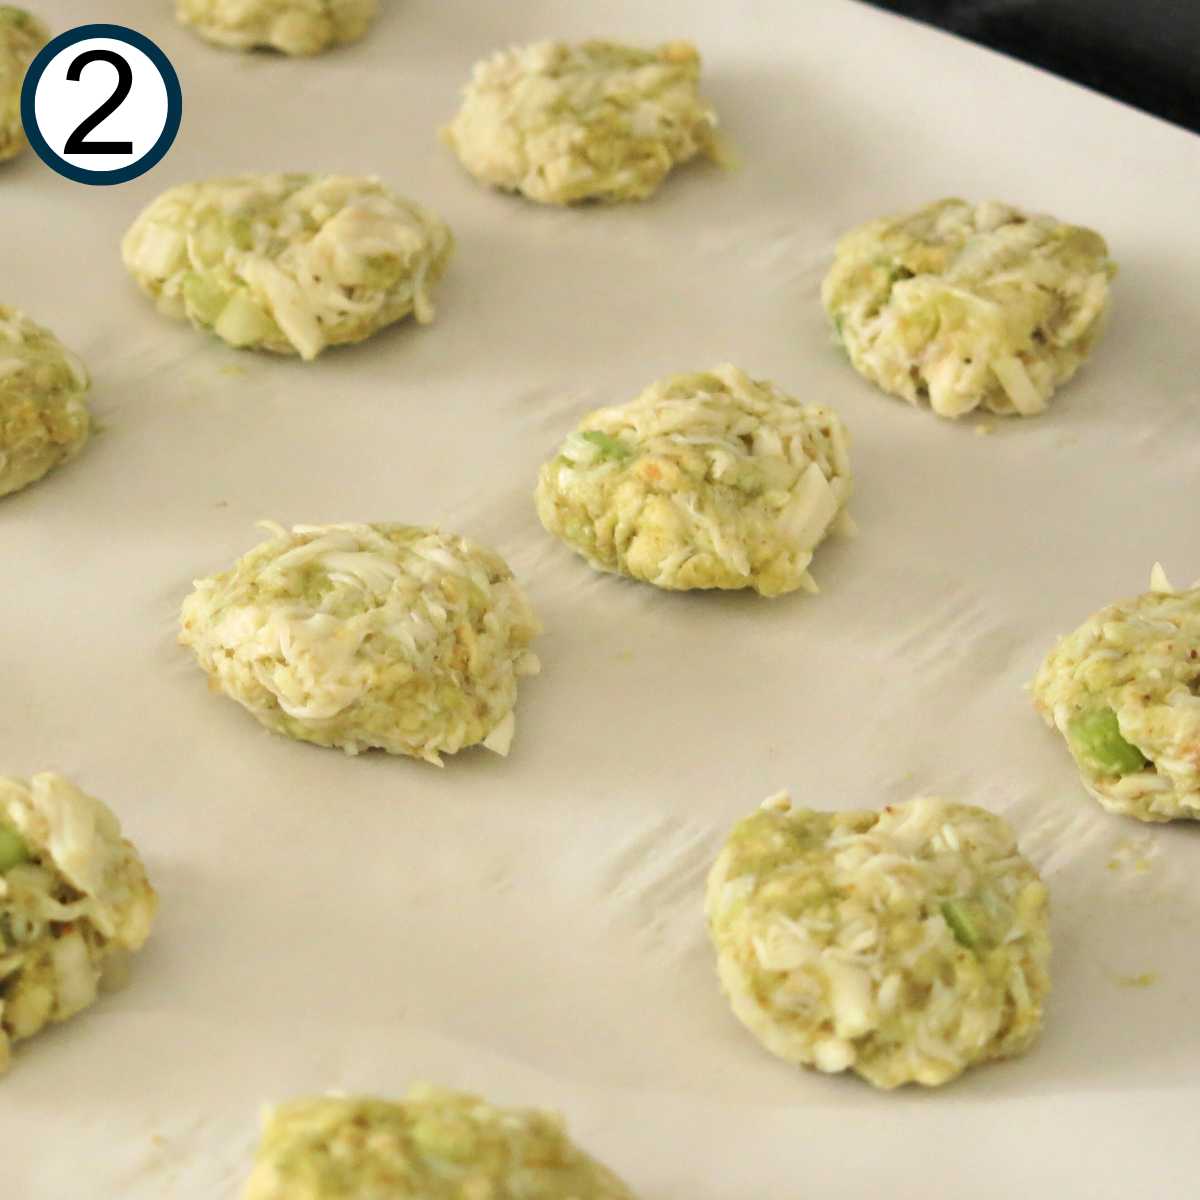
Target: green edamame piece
(1096,739)
(609,446)
(13,850)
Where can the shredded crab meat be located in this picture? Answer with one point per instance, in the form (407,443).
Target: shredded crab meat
(44,419)
(904,945)
(362,636)
(1123,690)
(299,27)
(712,480)
(596,121)
(289,263)
(74,900)
(22,35)
(969,306)
(436,1143)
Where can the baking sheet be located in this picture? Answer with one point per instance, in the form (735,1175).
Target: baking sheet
(532,928)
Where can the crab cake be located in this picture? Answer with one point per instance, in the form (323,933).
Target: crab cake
(368,636)
(969,305)
(1124,690)
(74,900)
(597,121)
(712,480)
(22,35)
(43,417)
(435,1145)
(291,26)
(288,263)
(904,945)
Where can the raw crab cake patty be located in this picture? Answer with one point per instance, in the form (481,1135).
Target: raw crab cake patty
(43,417)
(904,945)
(597,121)
(74,900)
(1124,690)
(292,26)
(969,305)
(368,636)
(22,35)
(711,480)
(436,1145)
(288,263)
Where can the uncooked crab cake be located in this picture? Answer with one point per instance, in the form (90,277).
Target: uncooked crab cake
(436,1145)
(904,945)
(597,121)
(288,263)
(385,636)
(43,416)
(22,35)
(291,26)
(1124,691)
(969,306)
(711,480)
(74,902)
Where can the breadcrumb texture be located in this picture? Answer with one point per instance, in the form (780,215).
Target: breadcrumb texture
(1136,663)
(298,27)
(22,35)
(368,636)
(597,121)
(711,480)
(904,945)
(969,306)
(435,1145)
(74,901)
(288,263)
(43,416)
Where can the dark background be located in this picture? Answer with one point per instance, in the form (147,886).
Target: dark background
(1144,52)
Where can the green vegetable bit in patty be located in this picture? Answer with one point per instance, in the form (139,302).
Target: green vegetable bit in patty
(609,446)
(1122,689)
(967,923)
(1096,739)
(13,850)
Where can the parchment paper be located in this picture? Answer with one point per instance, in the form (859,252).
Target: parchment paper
(532,928)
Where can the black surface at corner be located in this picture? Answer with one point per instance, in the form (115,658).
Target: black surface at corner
(1144,52)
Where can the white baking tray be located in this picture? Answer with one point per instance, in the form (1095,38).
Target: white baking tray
(531,928)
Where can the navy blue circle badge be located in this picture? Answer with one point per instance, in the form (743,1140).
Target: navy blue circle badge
(101,104)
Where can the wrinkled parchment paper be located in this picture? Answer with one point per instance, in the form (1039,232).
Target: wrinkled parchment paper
(532,928)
